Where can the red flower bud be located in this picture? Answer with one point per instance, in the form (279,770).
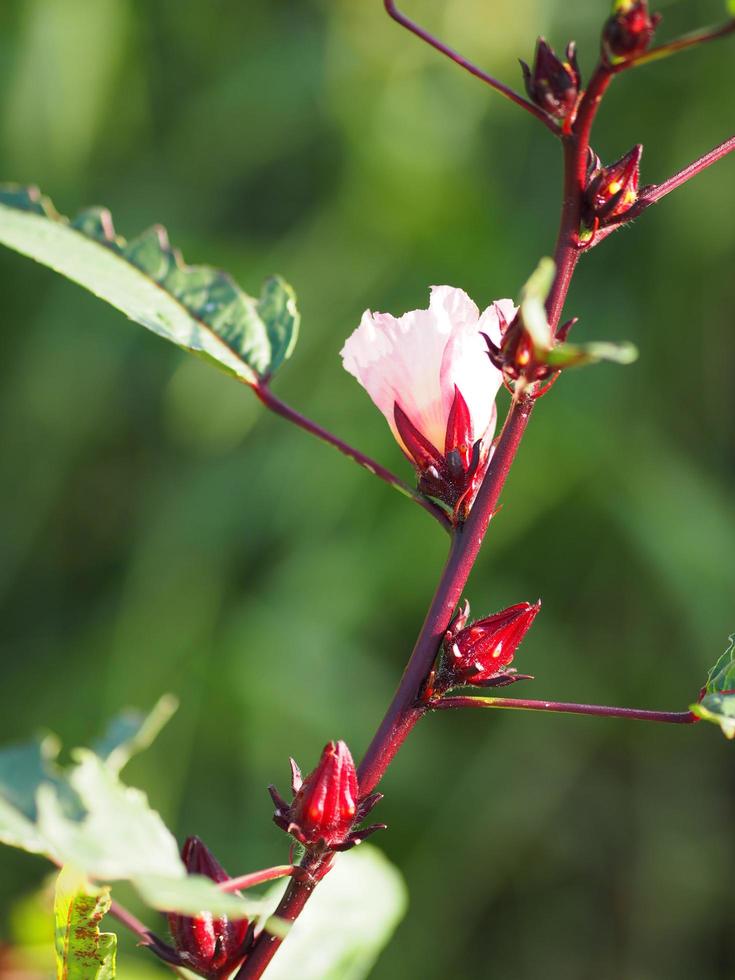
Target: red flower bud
(629,30)
(325,806)
(553,84)
(612,191)
(212,946)
(479,653)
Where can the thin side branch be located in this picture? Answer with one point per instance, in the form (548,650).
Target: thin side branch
(458,59)
(147,938)
(650,195)
(680,44)
(275,404)
(256,878)
(569,708)
(654,192)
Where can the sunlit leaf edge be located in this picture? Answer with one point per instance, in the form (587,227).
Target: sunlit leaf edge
(196,307)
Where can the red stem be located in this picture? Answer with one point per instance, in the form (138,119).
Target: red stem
(275,404)
(256,878)
(404,711)
(576,145)
(564,707)
(297,895)
(458,59)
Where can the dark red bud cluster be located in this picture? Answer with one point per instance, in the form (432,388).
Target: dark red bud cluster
(479,654)
(553,85)
(212,946)
(454,476)
(326,805)
(629,30)
(517,357)
(613,190)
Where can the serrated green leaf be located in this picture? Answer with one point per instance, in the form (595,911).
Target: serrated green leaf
(578,355)
(730,7)
(198,308)
(84,816)
(366,894)
(119,835)
(132,732)
(82,951)
(718,703)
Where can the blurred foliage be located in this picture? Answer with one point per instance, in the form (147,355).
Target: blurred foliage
(162,532)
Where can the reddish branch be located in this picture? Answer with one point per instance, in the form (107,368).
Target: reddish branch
(404,712)
(458,59)
(256,878)
(275,404)
(565,707)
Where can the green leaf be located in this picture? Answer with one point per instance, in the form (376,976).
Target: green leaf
(718,703)
(118,837)
(198,308)
(533,298)
(22,770)
(16,830)
(730,7)
(82,951)
(85,817)
(367,896)
(577,355)
(132,732)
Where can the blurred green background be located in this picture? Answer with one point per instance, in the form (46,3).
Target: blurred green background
(162,532)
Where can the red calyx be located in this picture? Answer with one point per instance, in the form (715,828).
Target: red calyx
(516,356)
(553,85)
(613,190)
(326,803)
(630,29)
(479,654)
(454,476)
(212,946)
(518,359)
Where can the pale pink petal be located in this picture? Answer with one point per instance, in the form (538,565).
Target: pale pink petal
(399,360)
(417,359)
(467,366)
